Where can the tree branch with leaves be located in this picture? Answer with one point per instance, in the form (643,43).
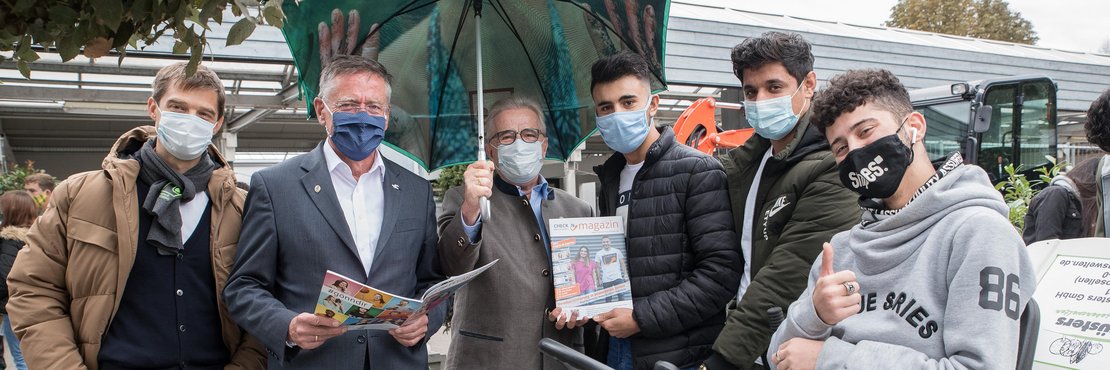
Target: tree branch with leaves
(94,28)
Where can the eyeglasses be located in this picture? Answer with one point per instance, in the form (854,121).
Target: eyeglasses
(529,135)
(350,106)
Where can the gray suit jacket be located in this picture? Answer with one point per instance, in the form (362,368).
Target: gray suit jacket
(294,231)
(501,316)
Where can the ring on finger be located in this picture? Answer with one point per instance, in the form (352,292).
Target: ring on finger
(776,356)
(851,287)
(317,337)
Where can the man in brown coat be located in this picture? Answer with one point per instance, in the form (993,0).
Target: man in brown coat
(500,316)
(126,266)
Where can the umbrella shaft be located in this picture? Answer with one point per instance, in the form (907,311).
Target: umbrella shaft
(481,101)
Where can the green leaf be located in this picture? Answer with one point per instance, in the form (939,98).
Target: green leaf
(22,5)
(272,14)
(24,69)
(189,35)
(81,33)
(29,55)
(24,44)
(180,47)
(63,15)
(219,16)
(194,60)
(123,34)
(68,48)
(209,10)
(109,12)
(141,9)
(240,31)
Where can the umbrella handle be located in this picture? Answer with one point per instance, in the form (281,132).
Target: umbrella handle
(484,205)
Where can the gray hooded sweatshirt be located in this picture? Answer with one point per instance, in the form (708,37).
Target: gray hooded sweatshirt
(943,281)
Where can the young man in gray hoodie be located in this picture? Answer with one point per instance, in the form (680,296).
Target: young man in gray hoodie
(933,276)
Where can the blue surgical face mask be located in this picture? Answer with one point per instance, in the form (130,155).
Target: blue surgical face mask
(356,135)
(772,118)
(624,131)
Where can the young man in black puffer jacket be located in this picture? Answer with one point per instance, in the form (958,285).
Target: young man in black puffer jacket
(682,255)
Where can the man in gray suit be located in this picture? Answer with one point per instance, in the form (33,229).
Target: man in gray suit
(345,208)
(500,316)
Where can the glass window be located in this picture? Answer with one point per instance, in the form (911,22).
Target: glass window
(1036,135)
(947,124)
(996,145)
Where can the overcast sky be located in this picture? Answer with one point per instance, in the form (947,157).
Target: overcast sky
(1075,25)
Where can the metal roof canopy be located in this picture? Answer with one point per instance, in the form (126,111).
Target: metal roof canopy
(77,108)
(701,34)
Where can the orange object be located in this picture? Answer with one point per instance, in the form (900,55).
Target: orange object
(697,128)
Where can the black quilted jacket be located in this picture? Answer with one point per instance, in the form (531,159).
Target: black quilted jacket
(682,251)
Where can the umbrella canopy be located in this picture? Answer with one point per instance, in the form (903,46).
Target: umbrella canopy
(542,49)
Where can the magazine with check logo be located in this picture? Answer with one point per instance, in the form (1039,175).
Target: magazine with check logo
(589,265)
(364,307)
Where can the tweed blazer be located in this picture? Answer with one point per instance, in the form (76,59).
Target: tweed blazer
(501,316)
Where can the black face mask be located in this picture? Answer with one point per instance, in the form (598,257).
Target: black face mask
(876,170)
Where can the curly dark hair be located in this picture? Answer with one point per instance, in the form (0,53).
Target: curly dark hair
(790,49)
(854,88)
(1098,122)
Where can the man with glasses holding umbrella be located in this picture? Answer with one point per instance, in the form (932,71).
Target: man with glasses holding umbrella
(497,321)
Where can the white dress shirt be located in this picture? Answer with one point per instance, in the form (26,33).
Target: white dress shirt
(363,202)
(191,213)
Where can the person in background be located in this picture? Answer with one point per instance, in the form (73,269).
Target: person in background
(40,186)
(1098,133)
(683,264)
(1066,208)
(933,277)
(152,232)
(20,211)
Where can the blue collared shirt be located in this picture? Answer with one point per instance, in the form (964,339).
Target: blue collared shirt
(539,192)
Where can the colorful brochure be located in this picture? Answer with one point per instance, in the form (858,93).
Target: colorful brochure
(589,265)
(363,307)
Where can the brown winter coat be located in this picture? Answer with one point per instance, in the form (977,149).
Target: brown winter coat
(65,286)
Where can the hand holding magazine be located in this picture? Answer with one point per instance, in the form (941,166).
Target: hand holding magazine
(363,307)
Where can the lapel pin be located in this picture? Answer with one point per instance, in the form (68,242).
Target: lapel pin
(317,188)
(395,187)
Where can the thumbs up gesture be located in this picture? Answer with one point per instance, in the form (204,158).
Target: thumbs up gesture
(836,295)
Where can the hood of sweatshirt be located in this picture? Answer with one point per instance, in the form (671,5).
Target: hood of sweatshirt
(1066,183)
(892,238)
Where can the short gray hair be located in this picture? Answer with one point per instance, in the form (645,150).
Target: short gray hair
(345,65)
(513,102)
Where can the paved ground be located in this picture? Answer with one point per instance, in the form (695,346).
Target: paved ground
(437,349)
